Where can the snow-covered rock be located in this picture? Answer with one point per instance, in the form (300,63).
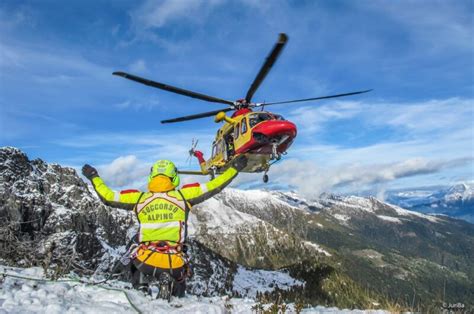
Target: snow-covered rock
(19,295)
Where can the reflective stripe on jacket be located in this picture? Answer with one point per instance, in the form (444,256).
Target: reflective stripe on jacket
(161,218)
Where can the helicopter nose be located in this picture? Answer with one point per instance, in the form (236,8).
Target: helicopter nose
(275,128)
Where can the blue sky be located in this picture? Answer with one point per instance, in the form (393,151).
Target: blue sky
(59,101)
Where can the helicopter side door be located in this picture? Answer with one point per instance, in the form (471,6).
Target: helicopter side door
(244,133)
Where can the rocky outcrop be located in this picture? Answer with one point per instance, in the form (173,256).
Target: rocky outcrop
(53,216)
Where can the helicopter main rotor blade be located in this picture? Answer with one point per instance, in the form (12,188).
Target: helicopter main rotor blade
(315,98)
(172,89)
(271,58)
(196,116)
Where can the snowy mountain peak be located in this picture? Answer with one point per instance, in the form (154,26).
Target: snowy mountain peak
(460,192)
(341,207)
(455,201)
(10,150)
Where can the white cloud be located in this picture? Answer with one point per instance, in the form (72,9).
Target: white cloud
(153,14)
(429,116)
(440,129)
(311,179)
(125,171)
(40,61)
(307,177)
(312,119)
(424,116)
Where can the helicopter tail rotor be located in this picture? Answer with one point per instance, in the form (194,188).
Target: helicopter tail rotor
(192,150)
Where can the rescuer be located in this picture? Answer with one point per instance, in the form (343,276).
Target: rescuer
(162,214)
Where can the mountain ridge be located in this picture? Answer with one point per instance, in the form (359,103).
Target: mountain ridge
(456,201)
(379,250)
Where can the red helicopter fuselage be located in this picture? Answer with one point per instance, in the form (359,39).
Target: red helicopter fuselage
(267,133)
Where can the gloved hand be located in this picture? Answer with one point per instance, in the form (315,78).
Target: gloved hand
(89,172)
(240,162)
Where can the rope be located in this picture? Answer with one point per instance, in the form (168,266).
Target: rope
(76,281)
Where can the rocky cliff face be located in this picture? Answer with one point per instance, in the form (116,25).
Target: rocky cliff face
(51,211)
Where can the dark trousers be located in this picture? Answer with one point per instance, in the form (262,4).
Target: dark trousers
(153,273)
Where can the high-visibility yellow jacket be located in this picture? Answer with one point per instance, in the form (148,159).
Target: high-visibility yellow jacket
(162,215)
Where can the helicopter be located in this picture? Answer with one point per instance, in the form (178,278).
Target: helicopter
(261,135)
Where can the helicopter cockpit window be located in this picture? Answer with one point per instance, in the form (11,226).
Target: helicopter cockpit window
(256,118)
(244,125)
(278,117)
(236,130)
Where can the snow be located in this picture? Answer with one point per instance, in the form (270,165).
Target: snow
(460,192)
(415,194)
(71,296)
(404,212)
(341,217)
(248,282)
(388,218)
(369,205)
(359,202)
(317,247)
(258,198)
(351,202)
(219,218)
(60,210)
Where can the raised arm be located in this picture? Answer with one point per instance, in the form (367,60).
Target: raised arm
(124,199)
(198,194)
